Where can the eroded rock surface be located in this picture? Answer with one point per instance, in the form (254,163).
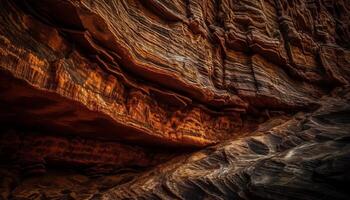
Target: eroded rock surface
(304,157)
(307,157)
(175,72)
(99,86)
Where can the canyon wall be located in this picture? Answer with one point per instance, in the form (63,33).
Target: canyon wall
(102,86)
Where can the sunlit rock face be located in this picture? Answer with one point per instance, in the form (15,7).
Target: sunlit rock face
(111,99)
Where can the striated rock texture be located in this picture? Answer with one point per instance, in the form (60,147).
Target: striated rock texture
(306,157)
(34,152)
(302,157)
(176,72)
(111,88)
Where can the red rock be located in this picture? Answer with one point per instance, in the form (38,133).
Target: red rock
(132,78)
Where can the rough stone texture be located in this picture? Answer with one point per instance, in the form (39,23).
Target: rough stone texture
(33,152)
(307,157)
(303,157)
(175,72)
(100,86)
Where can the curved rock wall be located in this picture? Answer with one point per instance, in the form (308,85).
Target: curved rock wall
(111,84)
(181,72)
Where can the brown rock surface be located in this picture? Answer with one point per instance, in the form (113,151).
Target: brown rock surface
(306,157)
(127,84)
(33,152)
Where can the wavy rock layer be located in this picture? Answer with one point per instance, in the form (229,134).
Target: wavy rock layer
(107,85)
(304,157)
(177,72)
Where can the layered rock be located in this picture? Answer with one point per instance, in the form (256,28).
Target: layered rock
(134,64)
(131,105)
(34,152)
(302,157)
(112,84)
(305,157)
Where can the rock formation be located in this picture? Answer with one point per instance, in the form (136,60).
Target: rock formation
(118,96)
